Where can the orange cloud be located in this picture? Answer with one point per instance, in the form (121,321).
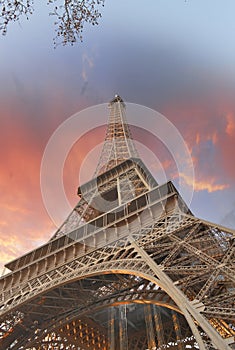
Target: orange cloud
(15,242)
(198,138)
(230,127)
(209,137)
(208,185)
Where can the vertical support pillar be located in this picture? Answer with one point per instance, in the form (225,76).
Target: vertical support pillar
(123,336)
(158,326)
(119,192)
(111,335)
(176,324)
(149,327)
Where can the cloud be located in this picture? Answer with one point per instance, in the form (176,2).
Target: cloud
(87,65)
(208,128)
(208,185)
(25,129)
(226,146)
(229,218)
(230,127)
(21,206)
(19,238)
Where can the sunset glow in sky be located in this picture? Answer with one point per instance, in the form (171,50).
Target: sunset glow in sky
(176,57)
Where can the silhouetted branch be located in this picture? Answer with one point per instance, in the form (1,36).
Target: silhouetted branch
(12,10)
(71,15)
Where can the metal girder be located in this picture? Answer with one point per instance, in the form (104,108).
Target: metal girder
(120,256)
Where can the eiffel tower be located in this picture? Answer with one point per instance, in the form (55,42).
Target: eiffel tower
(130,268)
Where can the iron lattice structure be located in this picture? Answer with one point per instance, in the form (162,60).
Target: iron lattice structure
(130,268)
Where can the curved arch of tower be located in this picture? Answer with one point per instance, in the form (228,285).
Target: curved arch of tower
(131,268)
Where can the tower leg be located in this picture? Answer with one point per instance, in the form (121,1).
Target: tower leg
(189,311)
(123,337)
(111,328)
(149,327)
(177,330)
(158,327)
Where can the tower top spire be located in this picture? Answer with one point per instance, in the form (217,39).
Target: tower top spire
(118,145)
(116,99)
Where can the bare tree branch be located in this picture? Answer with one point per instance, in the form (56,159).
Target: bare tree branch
(71,15)
(12,10)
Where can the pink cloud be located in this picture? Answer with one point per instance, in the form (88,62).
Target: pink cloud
(25,130)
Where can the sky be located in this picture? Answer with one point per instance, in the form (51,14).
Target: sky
(176,57)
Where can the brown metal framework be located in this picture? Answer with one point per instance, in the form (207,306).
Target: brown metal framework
(131,268)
